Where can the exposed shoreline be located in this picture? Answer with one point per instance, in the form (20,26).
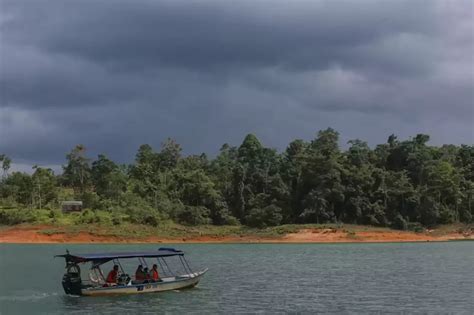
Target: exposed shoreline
(34,235)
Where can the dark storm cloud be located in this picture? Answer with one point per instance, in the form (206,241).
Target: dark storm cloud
(135,35)
(115,74)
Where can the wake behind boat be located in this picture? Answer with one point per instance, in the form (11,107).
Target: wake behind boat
(160,277)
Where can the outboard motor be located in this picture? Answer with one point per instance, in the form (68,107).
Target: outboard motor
(72,282)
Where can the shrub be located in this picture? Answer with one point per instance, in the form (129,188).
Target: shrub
(399,223)
(103,217)
(86,217)
(74,217)
(144,215)
(89,216)
(268,216)
(222,216)
(90,199)
(446,215)
(117,219)
(138,210)
(170,208)
(465,215)
(415,227)
(8,203)
(231,220)
(55,215)
(41,216)
(15,216)
(194,216)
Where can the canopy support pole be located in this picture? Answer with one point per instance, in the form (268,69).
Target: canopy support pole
(171,272)
(143,262)
(98,273)
(162,268)
(187,264)
(184,266)
(101,274)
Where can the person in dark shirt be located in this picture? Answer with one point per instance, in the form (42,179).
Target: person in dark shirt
(147,275)
(140,274)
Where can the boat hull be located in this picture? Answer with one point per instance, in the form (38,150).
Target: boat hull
(167,284)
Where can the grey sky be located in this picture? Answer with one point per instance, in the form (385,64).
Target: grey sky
(115,74)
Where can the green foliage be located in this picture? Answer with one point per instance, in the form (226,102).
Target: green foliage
(77,171)
(45,189)
(108,179)
(90,199)
(415,227)
(268,216)
(403,184)
(117,219)
(197,215)
(6,163)
(144,216)
(89,216)
(399,223)
(135,209)
(15,216)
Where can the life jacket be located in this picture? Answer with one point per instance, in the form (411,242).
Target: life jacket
(112,277)
(154,274)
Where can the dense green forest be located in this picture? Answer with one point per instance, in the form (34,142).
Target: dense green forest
(399,184)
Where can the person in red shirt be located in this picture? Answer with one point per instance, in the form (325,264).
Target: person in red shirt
(154,273)
(112,276)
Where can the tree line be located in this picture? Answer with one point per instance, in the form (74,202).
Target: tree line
(399,184)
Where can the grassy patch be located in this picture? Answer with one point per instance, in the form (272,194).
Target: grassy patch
(352,235)
(51,232)
(172,230)
(451,228)
(108,224)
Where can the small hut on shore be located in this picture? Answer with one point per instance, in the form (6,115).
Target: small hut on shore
(72,205)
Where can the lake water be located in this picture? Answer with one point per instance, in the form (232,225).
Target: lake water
(262,278)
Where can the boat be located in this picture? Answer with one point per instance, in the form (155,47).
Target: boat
(177,278)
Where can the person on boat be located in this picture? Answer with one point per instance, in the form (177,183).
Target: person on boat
(147,275)
(139,274)
(112,276)
(154,273)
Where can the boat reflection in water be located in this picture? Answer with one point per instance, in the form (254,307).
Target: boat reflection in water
(97,284)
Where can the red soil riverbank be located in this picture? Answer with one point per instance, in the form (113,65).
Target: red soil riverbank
(34,234)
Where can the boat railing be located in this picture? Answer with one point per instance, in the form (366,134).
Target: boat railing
(132,280)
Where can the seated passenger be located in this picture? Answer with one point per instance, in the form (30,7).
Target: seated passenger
(139,274)
(147,275)
(112,276)
(154,273)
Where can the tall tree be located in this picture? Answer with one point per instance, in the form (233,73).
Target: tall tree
(170,154)
(44,186)
(6,163)
(221,170)
(19,187)
(322,175)
(77,171)
(108,179)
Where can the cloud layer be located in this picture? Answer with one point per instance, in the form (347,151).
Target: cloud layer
(115,74)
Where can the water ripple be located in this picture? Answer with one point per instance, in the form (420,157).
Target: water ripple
(267,279)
